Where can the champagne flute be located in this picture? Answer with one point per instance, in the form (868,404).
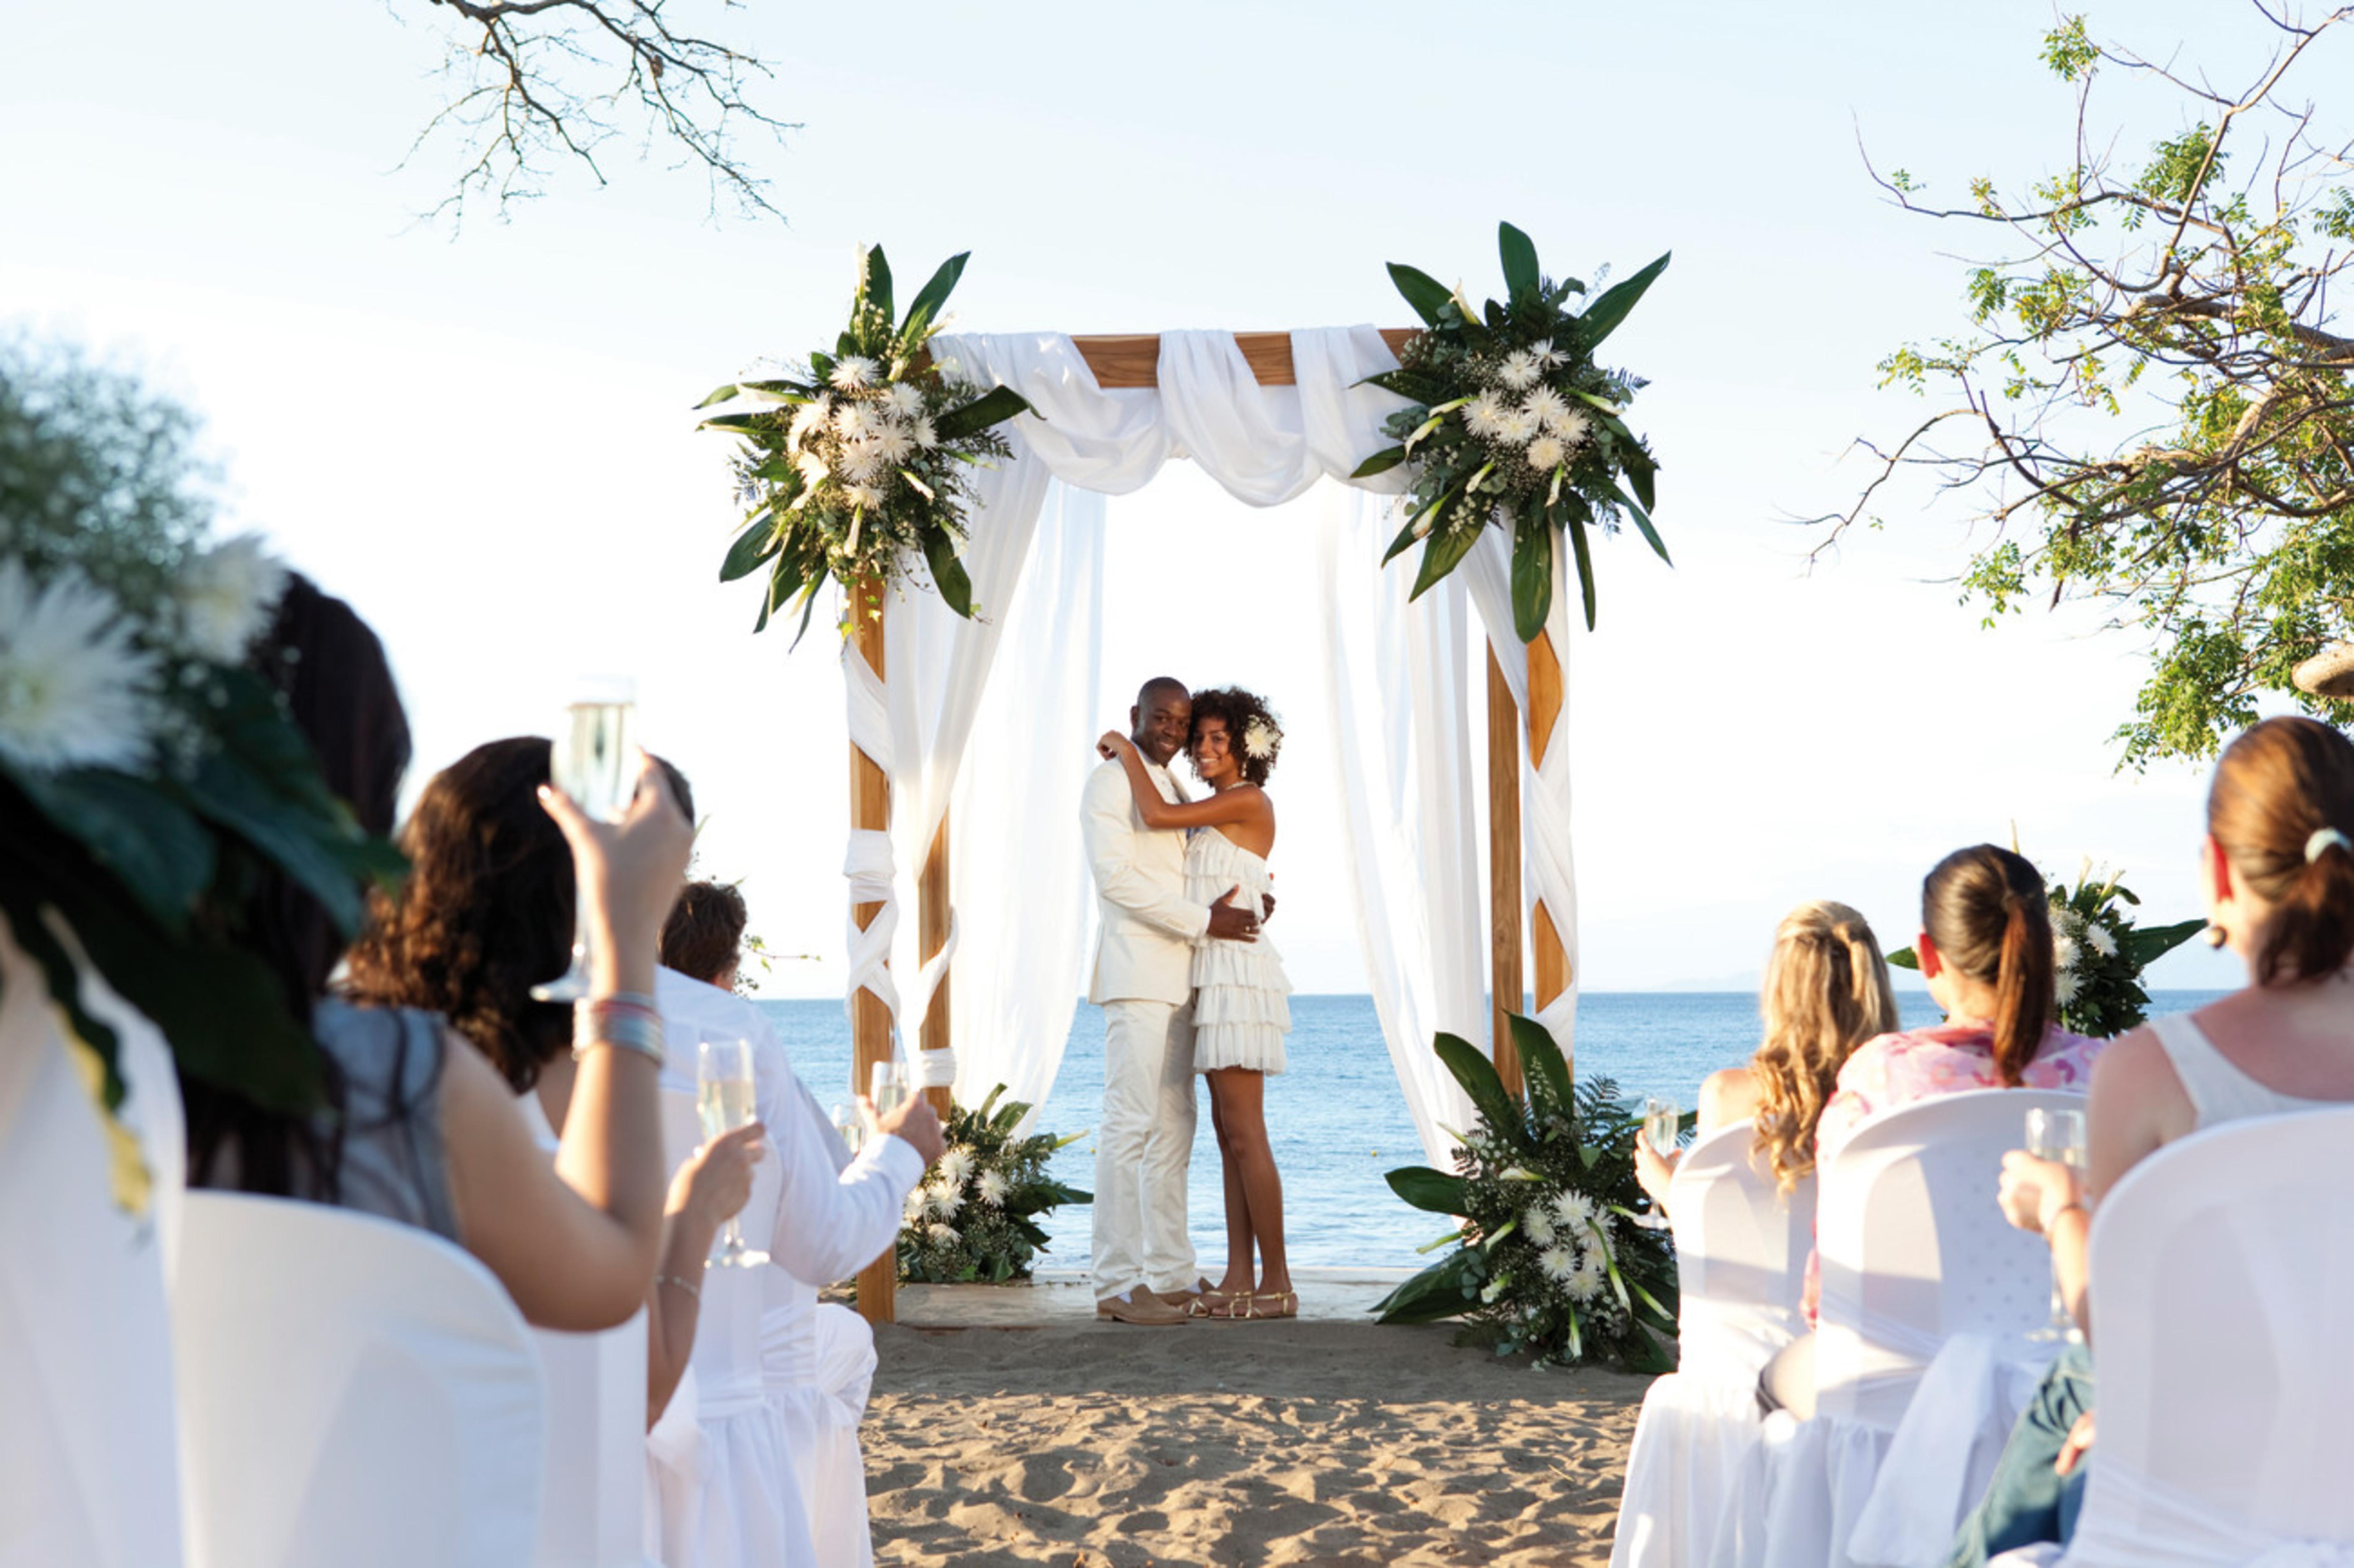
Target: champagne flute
(722,1094)
(590,762)
(845,1122)
(1662,1123)
(886,1085)
(2057,1136)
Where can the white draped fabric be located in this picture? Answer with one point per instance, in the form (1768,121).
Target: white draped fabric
(89,1471)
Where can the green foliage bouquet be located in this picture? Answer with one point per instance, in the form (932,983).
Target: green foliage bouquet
(1548,1259)
(856,465)
(146,776)
(1512,422)
(976,1219)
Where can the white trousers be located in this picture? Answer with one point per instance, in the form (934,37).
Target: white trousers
(1143,1148)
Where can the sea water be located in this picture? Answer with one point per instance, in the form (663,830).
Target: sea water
(1337,1117)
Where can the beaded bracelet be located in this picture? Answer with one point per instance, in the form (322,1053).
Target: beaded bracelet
(606,1021)
(691,1289)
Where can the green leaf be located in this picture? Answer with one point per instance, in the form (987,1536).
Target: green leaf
(1406,537)
(1541,1059)
(1439,1292)
(1427,1188)
(948,572)
(1520,256)
(1603,316)
(1903,959)
(1642,522)
(935,293)
(1423,291)
(740,422)
(1381,462)
(1442,554)
(1531,573)
(752,546)
(161,854)
(1576,527)
(874,288)
(993,407)
(724,394)
(1477,1075)
(2150,943)
(1641,471)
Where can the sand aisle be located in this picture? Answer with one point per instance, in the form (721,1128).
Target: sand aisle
(1303,1441)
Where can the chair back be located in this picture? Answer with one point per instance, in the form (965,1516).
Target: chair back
(726,1358)
(2223,1282)
(593,1507)
(353,1390)
(1741,1250)
(1914,1247)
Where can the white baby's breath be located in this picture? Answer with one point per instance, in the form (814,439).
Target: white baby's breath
(74,689)
(226,596)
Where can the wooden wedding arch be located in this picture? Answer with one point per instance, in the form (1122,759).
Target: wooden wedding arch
(1132,360)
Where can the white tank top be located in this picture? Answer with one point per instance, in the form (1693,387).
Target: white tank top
(2219,1091)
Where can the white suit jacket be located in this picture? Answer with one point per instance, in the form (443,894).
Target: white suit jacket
(1144,951)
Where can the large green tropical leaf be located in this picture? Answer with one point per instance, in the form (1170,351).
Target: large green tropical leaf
(738,422)
(1441,555)
(161,852)
(1541,1060)
(1399,545)
(948,572)
(926,306)
(875,288)
(753,546)
(1381,462)
(1426,293)
(1531,573)
(1641,471)
(1439,1292)
(1519,257)
(1574,523)
(2149,944)
(993,407)
(1477,1075)
(1642,522)
(1427,1188)
(1603,316)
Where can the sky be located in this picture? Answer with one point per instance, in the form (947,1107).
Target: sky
(483,440)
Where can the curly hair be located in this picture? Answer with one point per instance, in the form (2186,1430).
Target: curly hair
(485,914)
(1241,709)
(1826,992)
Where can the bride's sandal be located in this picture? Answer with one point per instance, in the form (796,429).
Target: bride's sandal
(1271,1304)
(1210,1301)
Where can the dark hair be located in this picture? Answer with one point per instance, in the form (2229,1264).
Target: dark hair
(1159,683)
(705,933)
(1986,909)
(1237,709)
(2278,787)
(338,688)
(486,913)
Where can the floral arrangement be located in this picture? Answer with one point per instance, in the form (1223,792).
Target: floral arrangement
(1513,423)
(2098,954)
(858,465)
(145,775)
(976,1217)
(1547,1257)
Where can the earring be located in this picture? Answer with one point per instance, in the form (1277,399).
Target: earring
(2215,936)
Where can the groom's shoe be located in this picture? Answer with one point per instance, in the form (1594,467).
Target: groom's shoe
(1140,1306)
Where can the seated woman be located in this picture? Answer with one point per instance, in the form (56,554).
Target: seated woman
(2277,868)
(1986,952)
(1826,992)
(417,1131)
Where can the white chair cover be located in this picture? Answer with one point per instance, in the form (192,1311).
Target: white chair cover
(89,1461)
(592,1509)
(748,1512)
(2222,1273)
(353,1391)
(819,1358)
(1914,1251)
(1741,1253)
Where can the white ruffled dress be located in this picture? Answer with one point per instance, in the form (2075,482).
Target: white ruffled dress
(1241,1011)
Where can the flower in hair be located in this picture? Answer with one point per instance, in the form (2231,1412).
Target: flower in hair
(1260,739)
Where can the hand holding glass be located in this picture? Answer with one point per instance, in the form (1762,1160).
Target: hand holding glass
(1663,1125)
(590,761)
(2057,1136)
(722,1094)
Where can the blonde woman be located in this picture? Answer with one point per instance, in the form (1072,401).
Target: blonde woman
(1826,992)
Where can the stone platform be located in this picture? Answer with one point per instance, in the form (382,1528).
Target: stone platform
(1061,1297)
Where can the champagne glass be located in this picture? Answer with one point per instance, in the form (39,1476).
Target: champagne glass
(2057,1136)
(722,1094)
(1661,1125)
(886,1085)
(590,762)
(845,1122)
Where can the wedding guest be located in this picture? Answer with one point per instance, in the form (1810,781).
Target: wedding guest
(1826,992)
(833,1214)
(2277,869)
(414,1130)
(1985,951)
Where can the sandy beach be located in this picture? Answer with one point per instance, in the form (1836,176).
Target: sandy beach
(1315,1441)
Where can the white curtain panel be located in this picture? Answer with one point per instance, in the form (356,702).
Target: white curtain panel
(1013,845)
(1398,692)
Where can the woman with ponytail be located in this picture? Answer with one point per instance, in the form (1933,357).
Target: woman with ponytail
(1826,992)
(2277,868)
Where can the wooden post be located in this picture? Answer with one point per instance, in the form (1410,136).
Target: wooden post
(870,1021)
(1552,959)
(932,935)
(1503,872)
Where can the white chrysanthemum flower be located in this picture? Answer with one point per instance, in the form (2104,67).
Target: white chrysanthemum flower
(865,497)
(1260,739)
(2063,951)
(1545,452)
(1546,405)
(2065,986)
(856,421)
(862,461)
(1573,1211)
(813,471)
(925,436)
(1484,415)
(1539,1224)
(893,445)
(943,1235)
(73,689)
(1520,370)
(226,596)
(904,400)
(2097,936)
(1558,1262)
(1547,357)
(854,373)
(955,1167)
(944,1199)
(1517,426)
(913,1209)
(1591,1276)
(993,1188)
(809,420)
(1574,425)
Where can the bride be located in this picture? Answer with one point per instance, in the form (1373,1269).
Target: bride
(1240,1015)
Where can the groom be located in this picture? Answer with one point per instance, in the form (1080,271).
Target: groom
(1143,1262)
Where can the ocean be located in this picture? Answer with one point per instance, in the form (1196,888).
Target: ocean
(1338,1119)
